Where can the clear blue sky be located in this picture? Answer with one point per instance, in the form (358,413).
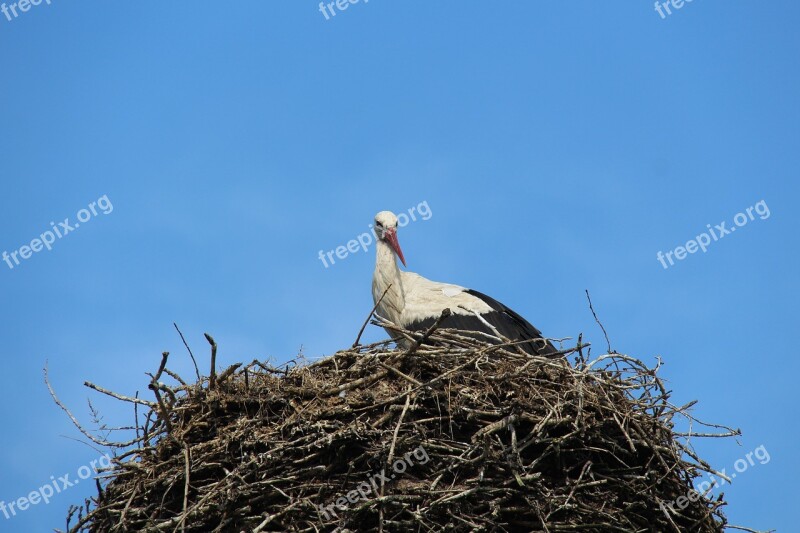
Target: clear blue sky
(559,145)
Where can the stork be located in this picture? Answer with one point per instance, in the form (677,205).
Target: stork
(415,303)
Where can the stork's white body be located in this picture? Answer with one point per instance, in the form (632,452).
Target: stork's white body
(412,298)
(414,303)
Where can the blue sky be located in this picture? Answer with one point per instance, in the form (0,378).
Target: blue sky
(559,146)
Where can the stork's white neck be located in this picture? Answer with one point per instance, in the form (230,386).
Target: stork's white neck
(387,272)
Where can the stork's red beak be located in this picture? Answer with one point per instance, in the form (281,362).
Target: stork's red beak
(391,238)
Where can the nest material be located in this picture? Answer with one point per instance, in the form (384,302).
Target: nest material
(489,440)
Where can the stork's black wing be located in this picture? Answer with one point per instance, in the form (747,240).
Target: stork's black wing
(508,323)
(512,326)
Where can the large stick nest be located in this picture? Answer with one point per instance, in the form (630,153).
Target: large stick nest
(458,435)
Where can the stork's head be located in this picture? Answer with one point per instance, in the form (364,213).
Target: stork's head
(386,230)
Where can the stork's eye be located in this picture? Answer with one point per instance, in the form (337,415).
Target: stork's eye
(378,224)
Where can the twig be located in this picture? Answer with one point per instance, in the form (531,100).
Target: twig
(69,414)
(187,474)
(391,448)
(608,342)
(194,362)
(445,313)
(212,378)
(118,396)
(228,372)
(154,387)
(374,307)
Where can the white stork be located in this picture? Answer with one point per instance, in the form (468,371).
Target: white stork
(415,303)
